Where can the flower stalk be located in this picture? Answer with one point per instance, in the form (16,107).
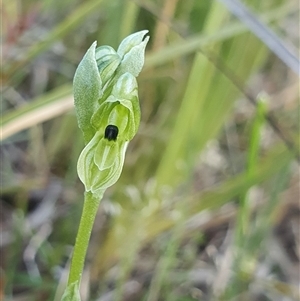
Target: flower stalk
(90,208)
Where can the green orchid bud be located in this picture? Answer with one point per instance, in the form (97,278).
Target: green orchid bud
(107,108)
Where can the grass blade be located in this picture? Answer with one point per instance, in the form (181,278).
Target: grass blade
(264,33)
(46,107)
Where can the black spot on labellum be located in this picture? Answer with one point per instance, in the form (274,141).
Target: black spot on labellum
(111,132)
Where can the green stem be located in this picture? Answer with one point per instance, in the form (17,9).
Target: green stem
(90,208)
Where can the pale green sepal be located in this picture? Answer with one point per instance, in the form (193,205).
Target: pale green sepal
(129,42)
(119,116)
(133,61)
(134,117)
(110,176)
(126,117)
(126,87)
(99,119)
(125,114)
(106,153)
(107,61)
(71,293)
(126,92)
(87,91)
(86,167)
(89,173)
(103,51)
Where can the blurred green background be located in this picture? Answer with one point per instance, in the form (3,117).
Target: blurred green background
(207,206)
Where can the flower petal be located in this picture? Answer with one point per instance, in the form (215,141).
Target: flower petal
(132,52)
(106,153)
(129,42)
(86,167)
(107,61)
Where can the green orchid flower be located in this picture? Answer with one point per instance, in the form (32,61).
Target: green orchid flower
(106,100)
(99,71)
(108,114)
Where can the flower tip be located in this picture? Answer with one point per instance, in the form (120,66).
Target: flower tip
(144,38)
(93,47)
(144,32)
(131,41)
